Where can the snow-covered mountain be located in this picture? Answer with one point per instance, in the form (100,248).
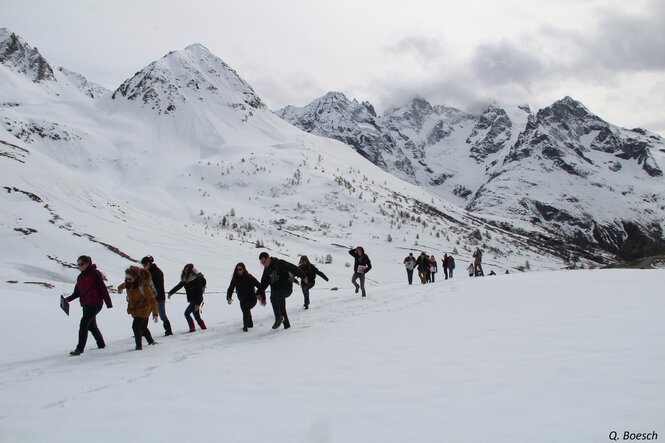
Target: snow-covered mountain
(563,168)
(183,161)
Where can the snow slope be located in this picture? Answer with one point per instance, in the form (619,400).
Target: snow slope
(547,357)
(207,182)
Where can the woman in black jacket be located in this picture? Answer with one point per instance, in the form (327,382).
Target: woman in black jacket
(311,272)
(361,266)
(244,283)
(194,283)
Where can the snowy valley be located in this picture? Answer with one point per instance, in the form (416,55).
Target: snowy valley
(184,161)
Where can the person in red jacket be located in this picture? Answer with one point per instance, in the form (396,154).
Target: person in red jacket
(92,293)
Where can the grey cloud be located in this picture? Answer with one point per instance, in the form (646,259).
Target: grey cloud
(502,63)
(630,42)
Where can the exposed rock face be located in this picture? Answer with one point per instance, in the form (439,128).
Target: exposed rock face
(20,57)
(564,168)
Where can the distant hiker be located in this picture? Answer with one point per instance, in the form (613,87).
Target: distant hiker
(492,272)
(141,302)
(157,277)
(451,266)
(433,268)
(410,265)
(444,264)
(471,270)
(244,283)
(195,284)
(361,266)
(422,264)
(478,261)
(507,272)
(277,275)
(92,292)
(311,272)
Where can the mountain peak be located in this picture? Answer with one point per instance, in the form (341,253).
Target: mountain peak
(197,47)
(190,75)
(19,56)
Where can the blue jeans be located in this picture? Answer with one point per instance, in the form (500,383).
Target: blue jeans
(305,291)
(190,310)
(161,307)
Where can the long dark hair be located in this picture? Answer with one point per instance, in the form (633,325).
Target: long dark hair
(304,261)
(244,275)
(186,271)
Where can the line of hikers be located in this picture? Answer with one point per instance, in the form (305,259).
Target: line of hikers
(146,295)
(427,267)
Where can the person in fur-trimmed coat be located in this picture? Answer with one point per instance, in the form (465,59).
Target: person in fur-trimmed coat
(194,283)
(141,302)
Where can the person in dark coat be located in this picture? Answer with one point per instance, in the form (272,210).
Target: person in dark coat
(451,265)
(478,263)
(92,292)
(445,262)
(311,272)
(410,265)
(276,275)
(194,283)
(361,266)
(423,267)
(244,283)
(158,282)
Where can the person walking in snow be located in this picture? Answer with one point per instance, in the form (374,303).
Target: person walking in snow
(361,266)
(195,284)
(157,277)
(141,302)
(244,284)
(445,261)
(478,262)
(410,265)
(311,272)
(92,292)
(451,266)
(433,268)
(422,264)
(276,274)
(471,269)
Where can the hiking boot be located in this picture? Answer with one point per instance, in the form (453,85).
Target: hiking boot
(167,328)
(101,346)
(202,325)
(357,288)
(306,306)
(287,325)
(152,343)
(278,322)
(138,348)
(76,352)
(244,329)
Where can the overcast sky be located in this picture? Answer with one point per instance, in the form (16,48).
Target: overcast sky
(609,54)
